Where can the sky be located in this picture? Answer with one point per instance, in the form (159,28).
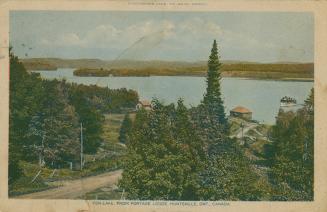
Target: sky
(173,36)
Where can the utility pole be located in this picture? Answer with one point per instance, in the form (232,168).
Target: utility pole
(81,145)
(41,153)
(242,126)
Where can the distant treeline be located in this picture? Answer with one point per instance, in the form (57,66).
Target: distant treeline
(261,71)
(45,118)
(96,67)
(86,72)
(39,66)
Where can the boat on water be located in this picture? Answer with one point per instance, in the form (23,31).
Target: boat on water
(287,102)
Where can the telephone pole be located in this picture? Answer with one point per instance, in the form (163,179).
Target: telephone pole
(81,145)
(242,126)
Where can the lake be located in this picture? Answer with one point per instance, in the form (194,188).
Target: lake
(260,96)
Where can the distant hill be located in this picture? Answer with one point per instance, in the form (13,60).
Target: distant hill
(108,64)
(230,68)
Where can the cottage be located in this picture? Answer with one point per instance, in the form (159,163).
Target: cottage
(144,104)
(241,112)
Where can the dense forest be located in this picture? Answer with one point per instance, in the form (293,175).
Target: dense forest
(45,118)
(177,153)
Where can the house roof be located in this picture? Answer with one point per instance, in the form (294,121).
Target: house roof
(145,103)
(240,109)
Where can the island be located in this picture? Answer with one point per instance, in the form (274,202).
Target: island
(301,72)
(87,72)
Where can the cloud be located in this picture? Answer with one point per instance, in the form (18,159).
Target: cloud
(102,33)
(291,53)
(109,35)
(70,39)
(138,40)
(197,26)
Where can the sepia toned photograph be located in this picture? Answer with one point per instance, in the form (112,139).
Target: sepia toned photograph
(161,105)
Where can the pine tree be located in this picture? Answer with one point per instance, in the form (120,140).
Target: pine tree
(212,99)
(228,174)
(125,129)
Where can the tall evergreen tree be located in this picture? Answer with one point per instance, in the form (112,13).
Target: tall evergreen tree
(212,99)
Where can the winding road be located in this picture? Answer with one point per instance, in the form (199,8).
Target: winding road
(73,189)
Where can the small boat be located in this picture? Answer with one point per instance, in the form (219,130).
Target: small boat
(287,102)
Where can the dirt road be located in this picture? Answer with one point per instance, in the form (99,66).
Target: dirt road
(76,188)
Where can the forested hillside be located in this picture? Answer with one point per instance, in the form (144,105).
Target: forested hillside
(46,116)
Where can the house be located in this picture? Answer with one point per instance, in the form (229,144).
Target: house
(144,104)
(241,112)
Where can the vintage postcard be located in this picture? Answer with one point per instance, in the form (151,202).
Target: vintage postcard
(158,105)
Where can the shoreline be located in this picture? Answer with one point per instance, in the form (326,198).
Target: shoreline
(286,79)
(300,79)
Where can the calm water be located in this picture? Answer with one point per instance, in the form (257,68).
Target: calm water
(260,96)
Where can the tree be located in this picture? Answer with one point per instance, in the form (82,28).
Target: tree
(163,157)
(125,129)
(21,107)
(212,99)
(91,118)
(228,175)
(55,129)
(192,147)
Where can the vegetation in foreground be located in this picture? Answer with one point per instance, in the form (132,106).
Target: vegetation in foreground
(175,153)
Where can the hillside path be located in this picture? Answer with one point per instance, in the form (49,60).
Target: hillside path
(73,189)
(246,128)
